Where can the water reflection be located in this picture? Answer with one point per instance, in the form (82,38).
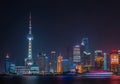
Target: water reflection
(114,80)
(57,80)
(30,79)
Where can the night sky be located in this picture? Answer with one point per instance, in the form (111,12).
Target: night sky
(56,25)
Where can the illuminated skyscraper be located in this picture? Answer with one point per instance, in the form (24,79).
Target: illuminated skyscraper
(76,54)
(41,62)
(85,54)
(99,60)
(29,60)
(53,62)
(59,64)
(85,43)
(7,63)
(105,61)
(114,61)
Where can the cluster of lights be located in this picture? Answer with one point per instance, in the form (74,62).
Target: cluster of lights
(114,59)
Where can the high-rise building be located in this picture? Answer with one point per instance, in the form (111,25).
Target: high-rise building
(85,43)
(29,60)
(9,66)
(53,62)
(85,54)
(59,64)
(114,61)
(46,63)
(69,55)
(76,54)
(99,60)
(65,65)
(41,62)
(7,63)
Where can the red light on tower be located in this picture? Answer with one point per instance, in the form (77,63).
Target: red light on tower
(114,51)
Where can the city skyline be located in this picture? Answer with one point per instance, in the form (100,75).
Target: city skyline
(57,25)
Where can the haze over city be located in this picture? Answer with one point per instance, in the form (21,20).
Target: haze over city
(57,25)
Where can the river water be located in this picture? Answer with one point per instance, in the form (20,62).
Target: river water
(58,80)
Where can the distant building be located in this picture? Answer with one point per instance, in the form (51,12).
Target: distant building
(114,61)
(69,54)
(65,65)
(35,69)
(22,70)
(53,62)
(85,43)
(76,54)
(105,61)
(86,58)
(46,63)
(59,64)
(41,62)
(99,60)
(6,63)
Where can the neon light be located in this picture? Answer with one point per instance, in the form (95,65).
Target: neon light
(114,51)
(105,61)
(98,71)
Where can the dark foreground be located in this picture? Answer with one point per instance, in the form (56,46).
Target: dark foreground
(58,80)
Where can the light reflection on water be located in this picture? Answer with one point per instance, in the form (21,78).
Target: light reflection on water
(58,80)
(30,79)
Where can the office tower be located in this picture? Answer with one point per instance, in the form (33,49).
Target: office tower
(65,65)
(46,63)
(119,61)
(29,60)
(53,62)
(7,64)
(85,54)
(69,55)
(99,60)
(85,43)
(76,54)
(114,61)
(41,62)
(59,63)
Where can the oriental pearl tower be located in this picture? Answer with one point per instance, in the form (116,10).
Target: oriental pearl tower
(29,60)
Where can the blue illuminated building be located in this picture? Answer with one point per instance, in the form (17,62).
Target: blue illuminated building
(105,61)
(7,64)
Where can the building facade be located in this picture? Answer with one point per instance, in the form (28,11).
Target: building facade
(76,54)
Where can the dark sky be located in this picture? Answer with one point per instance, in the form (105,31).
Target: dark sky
(57,24)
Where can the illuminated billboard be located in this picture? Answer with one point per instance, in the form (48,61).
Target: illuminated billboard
(114,59)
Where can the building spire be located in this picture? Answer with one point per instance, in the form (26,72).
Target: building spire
(30,26)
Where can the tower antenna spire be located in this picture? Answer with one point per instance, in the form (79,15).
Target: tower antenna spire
(30,26)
